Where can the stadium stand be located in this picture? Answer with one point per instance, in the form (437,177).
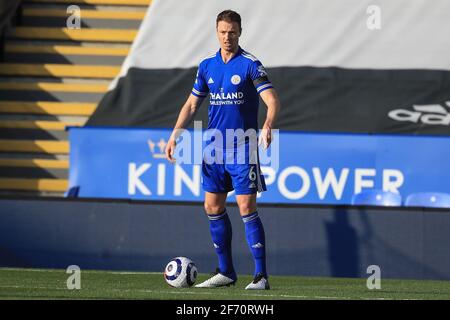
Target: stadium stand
(428,199)
(359,121)
(52,77)
(377,198)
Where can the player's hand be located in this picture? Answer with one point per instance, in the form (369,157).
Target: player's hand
(265,137)
(170,149)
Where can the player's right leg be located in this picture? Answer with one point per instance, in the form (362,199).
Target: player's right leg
(221,234)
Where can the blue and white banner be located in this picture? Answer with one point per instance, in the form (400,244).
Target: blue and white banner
(306,168)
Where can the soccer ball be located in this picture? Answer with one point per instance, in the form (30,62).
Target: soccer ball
(180,272)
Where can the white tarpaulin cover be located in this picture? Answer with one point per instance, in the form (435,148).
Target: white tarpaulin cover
(347,65)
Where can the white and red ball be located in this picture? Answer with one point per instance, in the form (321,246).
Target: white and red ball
(180,272)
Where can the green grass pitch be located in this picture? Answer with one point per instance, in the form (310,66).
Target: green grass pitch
(52,284)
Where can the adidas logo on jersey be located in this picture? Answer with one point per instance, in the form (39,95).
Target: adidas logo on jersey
(252,185)
(210,81)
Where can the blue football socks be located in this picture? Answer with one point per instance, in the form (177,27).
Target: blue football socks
(221,233)
(254,232)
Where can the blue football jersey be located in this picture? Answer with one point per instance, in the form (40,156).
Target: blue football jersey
(233,89)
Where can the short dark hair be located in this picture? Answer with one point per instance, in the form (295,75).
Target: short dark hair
(229,16)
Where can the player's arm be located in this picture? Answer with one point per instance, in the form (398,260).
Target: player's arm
(185,117)
(269,96)
(271,100)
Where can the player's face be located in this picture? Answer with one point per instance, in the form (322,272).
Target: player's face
(228,34)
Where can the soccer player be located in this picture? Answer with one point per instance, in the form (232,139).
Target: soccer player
(235,80)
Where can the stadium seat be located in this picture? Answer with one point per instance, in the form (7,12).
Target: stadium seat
(428,199)
(377,198)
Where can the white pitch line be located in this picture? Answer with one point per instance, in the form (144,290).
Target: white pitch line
(82,270)
(26,270)
(43,288)
(126,272)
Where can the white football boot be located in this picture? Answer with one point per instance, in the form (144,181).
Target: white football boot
(217,280)
(259,283)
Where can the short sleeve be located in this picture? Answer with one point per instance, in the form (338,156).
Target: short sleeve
(259,77)
(200,88)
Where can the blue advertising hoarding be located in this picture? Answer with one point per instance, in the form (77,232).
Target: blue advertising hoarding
(298,167)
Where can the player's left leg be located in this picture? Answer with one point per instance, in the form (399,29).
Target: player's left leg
(256,240)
